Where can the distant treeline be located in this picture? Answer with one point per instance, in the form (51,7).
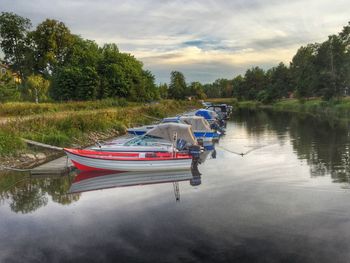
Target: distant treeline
(316,70)
(49,63)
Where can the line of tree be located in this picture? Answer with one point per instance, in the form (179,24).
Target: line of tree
(178,89)
(53,63)
(316,70)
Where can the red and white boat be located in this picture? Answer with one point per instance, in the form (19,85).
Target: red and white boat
(90,160)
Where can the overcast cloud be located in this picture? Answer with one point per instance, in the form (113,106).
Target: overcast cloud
(204,39)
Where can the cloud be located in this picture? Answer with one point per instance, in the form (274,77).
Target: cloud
(206,39)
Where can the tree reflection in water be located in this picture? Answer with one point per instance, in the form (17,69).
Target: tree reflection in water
(25,193)
(324,146)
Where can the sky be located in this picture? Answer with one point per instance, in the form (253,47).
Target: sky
(205,40)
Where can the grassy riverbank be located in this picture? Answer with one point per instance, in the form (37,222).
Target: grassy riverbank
(335,112)
(76,123)
(317,107)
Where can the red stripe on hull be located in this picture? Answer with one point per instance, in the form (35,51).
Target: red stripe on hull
(83,167)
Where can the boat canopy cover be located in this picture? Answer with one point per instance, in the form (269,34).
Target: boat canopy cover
(207,114)
(167,130)
(171,119)
(198,123)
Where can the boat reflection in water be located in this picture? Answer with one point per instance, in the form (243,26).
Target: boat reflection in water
(98,180)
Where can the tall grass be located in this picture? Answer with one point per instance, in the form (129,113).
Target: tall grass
(29,108)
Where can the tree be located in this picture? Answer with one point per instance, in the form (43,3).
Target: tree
(197,90)
(36,88)
(53,41)
(14,41)
(304,72)
(163,90)
(177,87)
(237,87)
(255,82)
(279,84)
(8,88)
(64,83)
(331,67)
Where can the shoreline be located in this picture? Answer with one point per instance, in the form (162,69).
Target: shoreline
(77,129)
(336,113)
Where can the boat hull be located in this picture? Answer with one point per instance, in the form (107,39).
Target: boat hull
(88,163)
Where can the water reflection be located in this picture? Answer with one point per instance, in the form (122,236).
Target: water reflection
(26,193)
(98,180)
(322,145)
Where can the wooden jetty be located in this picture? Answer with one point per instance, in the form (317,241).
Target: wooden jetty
(60,166)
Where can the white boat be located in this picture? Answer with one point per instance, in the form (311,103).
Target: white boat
(90,160)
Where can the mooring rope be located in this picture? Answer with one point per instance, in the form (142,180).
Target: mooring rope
(16,169)
(245,153)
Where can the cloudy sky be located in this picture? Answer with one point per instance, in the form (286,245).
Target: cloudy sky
(205,39)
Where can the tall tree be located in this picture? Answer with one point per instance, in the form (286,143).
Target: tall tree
(279,84)
(177,87)
(14,41)
(237,87)
(330,64)
(53,41)
(304,72)
(255,81)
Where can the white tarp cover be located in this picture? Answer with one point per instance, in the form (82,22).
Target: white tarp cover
(198,123)
(167,130)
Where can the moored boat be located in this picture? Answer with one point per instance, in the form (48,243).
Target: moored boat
(90,160)
(201,128)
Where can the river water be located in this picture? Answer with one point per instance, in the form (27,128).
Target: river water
(285,200)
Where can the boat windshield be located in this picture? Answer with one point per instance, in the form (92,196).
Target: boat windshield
(146,141)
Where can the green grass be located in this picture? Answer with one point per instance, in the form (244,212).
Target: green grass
(82,127)
(336,112)
(28,108)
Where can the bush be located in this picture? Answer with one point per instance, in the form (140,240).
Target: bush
(10,143)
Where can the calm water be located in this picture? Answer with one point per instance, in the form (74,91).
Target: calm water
(286,200)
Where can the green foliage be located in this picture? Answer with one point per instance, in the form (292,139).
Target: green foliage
(78,68)
(10,143)
(317,70)
(163,91)
(196,89)
(220,88)
(53,42)
(177,87)
(36,88)
(8,88)
(14,40)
